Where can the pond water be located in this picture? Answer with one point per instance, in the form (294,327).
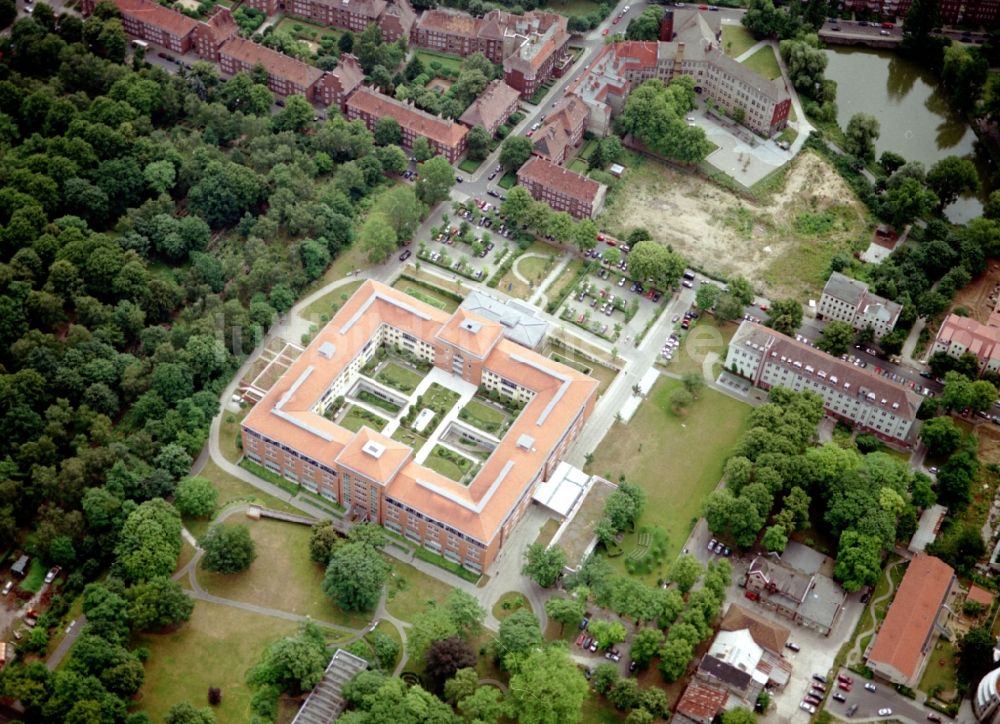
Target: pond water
(913,111)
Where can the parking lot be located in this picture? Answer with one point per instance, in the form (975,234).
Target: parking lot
(607,301)
(474,242)
(884,702)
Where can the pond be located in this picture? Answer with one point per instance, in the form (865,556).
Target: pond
(915,117)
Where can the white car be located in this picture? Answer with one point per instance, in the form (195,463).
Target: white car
(806,706)
(885,711)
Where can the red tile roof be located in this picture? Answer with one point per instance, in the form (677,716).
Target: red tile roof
(221,25)
(899,644)
(546,173)
(155,14)
(420,122)
(452,22)
(490,108)
(980,596)
(277,64)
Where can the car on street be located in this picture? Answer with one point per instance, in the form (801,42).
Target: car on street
(885,711)
(617,20)
(869,686)
(934,717)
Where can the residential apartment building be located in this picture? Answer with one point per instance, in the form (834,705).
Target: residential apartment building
(150,21)
(695,52)
(337,85)
(854,395)
(539,42)
(394,18)
(216,29)
(285,75)
(950,12)
(382,480)
(913,622)
(986,701)
(492,108)
(563,130)
(959,335)
(447,138)
(848,300)
(561,189)
(809,599)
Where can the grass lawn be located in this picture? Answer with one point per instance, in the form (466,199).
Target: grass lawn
(571,8)
(598,710)
(440,399)
(443,60)
(35,577)
(320,311)
(399,377)
(229,433)
(530,268)
(426,294)
(357,417)
(676,460)
(410,591)
(366,396)
(282,556)
(548,530)
(509,603)
(702,338)
(308,31)
(789,135)
(604,375)
(535,268)
(569,275)
(507,180)
(187,553)
(469,165)
(764,63)
(737,40)
(214,648)
(578,166)
(446,465)
(941,671)
(232,489)
(483,416)
(408,437)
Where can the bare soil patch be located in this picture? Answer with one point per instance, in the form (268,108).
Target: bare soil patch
(776,244)
(975,296)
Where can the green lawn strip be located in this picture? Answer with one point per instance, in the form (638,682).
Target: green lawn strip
(736,40)
(282,555)
(214,648)
(35,577)
(507,180)
(443,563)
(548,531)
(399,377)
(425,298)
(411,590)
(261,472)
(358,417)
(447,463)
(676,460)
(469,165)
(571,8)
(483,416)
(578,166)
(326,306)
(763,63)
(449,62)
(232,489)
(229,435)
(366,396)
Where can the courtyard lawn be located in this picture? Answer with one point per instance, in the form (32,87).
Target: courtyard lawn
(307,31)
(451,63)
(408,437)
(737,40)
(282,555)
(447,463)
(763,63)
(578,166)
(483,416)
(440,399)
(941,672)
(509,603)
(214,648)
(320,311)
(469,165)
(401,378)
(358,417)
(571,8)
(410,590)
(604,375)
(704,337)
(676,460)
(366,396)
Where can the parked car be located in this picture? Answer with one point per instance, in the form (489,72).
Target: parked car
(593,646)
(8,587)
(851,709)
(845,679)
(820,678)
(869,686)
(806,706)
(885,711)
(793,647)
(711,545)
(51,575)
(405,255)
(934,717)
(813,699)
(839,697)
(843,687)
(580,639)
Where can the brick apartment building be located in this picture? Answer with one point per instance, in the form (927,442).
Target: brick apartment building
(959,335)
(854,395)
(848,300)
(563,130)
(446,137)
(394,19)
(695,51)
(492,108)
(385,481)
(217,28)
(268,7)
(950,12)
(563,190)
(150,21)
(530,46)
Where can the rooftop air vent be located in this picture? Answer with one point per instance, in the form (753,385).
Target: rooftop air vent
(327,349)
(374,449)
(525,442)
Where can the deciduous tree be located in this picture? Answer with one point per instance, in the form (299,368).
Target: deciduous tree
(355,576)
(228,549)
(544,565)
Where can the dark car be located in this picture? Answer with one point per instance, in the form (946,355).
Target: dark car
(405,255)
(820,678)
(584,623)
(632,666)
(839,697)
(791,646)
(851,709)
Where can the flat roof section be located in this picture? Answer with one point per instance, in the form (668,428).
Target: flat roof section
(577,534)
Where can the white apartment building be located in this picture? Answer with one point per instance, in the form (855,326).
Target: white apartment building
(848,300)
(856,396)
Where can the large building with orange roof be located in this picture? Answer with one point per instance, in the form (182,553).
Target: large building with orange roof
(295,429)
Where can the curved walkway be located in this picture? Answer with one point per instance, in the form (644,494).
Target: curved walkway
(514,267)
(855,655)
